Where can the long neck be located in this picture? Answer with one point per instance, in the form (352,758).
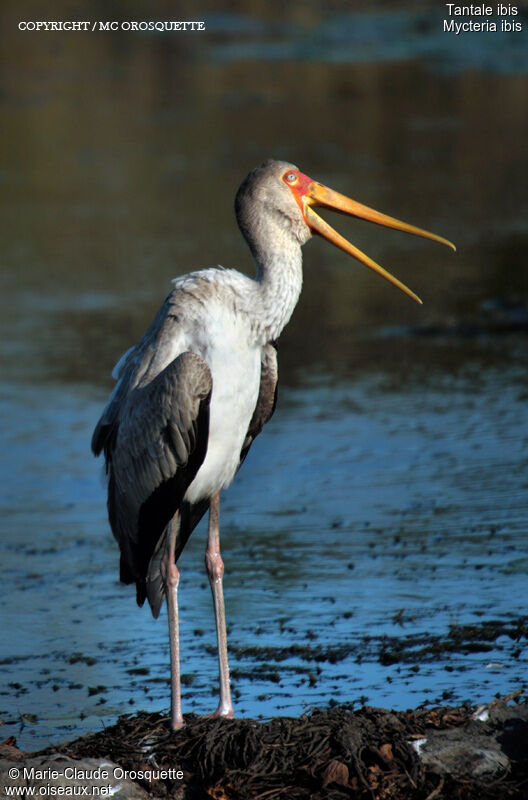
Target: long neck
(278,260)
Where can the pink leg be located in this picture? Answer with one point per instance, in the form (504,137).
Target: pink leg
(171,576)
(215,570)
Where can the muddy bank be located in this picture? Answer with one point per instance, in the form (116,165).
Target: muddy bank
(450,752)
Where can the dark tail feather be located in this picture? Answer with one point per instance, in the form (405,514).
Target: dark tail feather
(153,587)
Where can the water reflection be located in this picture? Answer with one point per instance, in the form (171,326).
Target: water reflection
(399,428)
(402,518)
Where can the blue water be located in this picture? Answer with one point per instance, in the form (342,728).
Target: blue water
(380,36)
(365,510)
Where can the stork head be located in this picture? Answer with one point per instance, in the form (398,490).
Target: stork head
(278,189)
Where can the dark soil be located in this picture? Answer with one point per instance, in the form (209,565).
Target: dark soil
(370,753)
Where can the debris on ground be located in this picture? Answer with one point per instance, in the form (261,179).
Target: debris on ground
(460,753)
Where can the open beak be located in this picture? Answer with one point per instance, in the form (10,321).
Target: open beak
(309,193)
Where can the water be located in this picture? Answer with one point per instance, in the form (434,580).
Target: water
(375,539)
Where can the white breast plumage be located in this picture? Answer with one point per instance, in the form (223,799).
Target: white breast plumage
(235,368)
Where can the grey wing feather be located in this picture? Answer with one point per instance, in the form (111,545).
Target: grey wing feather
(138,365)
(105,428)
(155,440)
(267,399)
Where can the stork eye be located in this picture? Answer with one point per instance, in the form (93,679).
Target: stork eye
(291,177)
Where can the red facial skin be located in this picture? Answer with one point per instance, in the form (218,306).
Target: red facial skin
(300,187)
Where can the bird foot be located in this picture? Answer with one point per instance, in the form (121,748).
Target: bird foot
(177,723)
(227,713)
